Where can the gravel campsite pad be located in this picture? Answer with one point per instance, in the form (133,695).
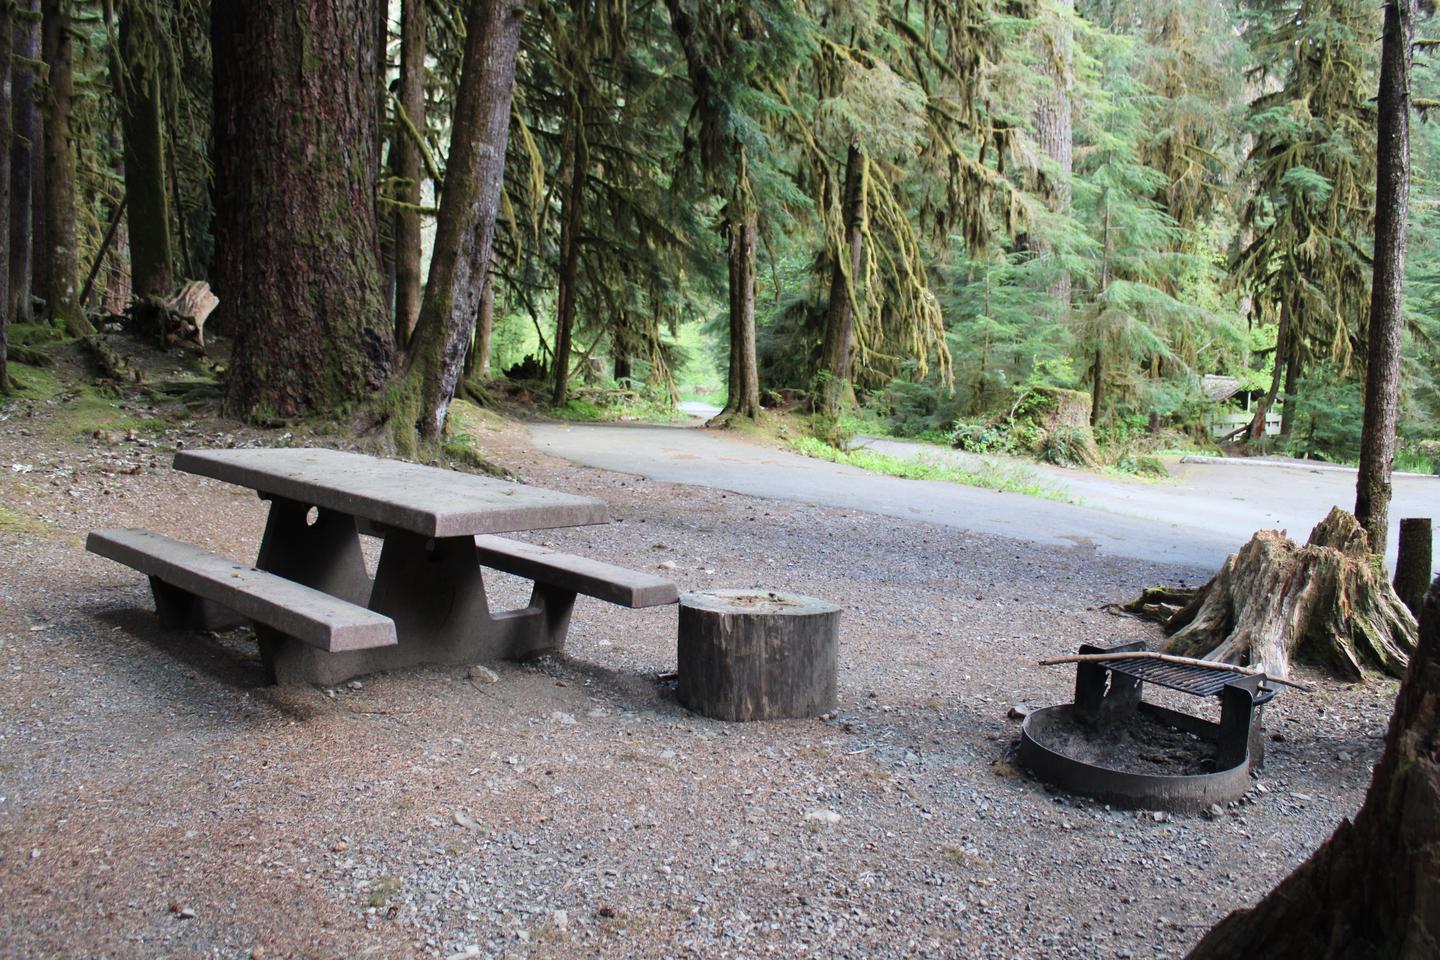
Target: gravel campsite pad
(158,800)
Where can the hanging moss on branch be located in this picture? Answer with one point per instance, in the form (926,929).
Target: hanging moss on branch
(1327,603)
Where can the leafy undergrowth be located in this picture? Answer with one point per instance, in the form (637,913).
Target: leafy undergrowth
(990,475)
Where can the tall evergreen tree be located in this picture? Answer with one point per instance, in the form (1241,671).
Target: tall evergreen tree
(297,238)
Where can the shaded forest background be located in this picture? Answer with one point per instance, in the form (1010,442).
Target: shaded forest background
(936,212)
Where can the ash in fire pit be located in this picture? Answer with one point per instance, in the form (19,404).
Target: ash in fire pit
(1111,745)
(1144,744)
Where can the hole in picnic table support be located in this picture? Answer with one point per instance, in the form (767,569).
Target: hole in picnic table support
(312,516)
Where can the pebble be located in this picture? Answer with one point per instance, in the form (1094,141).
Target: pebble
(823,815)
(483,674)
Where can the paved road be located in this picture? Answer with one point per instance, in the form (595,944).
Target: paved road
(1194,520)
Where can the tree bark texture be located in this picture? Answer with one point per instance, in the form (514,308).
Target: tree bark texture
(61,290)
(744,371)
(838,346)
(25,45)
(1273,602)
(409,168)
(297,239)
(468,206)
(484,329)
(753,655)
(1370,891)
(1414,562)
(572,220)
(1054,132)
(1392,198)
(7,9)
(152,251)
(1292,379)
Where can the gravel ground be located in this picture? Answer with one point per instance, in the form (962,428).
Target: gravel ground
(158,800)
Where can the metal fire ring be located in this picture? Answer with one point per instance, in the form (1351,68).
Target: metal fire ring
(1183,792)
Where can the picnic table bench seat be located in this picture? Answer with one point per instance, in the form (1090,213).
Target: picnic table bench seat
(180,574)
(571,573)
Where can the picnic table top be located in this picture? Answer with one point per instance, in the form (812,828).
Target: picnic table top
(408,496)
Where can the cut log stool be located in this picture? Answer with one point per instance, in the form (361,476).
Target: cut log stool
(757,655)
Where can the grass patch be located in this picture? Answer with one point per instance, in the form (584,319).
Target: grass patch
(990,475)
(12,522)
(601,406)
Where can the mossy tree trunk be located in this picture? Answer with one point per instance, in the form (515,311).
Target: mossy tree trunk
(741,229)
(1370,891)
(410,168)
(572,220)
(1387,289)
(838,345)
(466,223)
(25,47)
(61,292)
(7,20)
(297,238)
(138,84)
(1055,133)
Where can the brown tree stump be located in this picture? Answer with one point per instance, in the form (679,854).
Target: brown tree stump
(1412,565)
(1371,890)
(757,655)
(1327,602)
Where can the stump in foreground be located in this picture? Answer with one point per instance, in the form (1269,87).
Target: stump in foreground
(756,655)
(1327,602)
(1371,890)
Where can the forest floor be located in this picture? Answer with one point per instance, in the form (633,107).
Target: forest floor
(158,800)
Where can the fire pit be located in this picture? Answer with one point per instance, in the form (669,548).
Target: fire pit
(1112,745)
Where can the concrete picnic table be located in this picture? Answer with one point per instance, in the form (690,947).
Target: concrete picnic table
(428,580)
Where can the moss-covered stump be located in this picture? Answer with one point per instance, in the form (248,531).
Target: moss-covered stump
(1327,602)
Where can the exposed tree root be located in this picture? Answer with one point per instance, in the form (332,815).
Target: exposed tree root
(1327,602)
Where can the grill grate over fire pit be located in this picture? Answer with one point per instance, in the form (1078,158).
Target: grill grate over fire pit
(1112,745)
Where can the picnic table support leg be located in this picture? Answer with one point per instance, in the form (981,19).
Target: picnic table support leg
(434,591)
(181,608)
(549,612)
(324,554)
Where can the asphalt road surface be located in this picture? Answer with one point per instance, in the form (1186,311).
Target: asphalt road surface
(1203,513)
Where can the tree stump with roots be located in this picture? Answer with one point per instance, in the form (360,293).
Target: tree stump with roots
(1327,602)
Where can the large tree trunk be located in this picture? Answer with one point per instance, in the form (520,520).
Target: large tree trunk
(744,377)
(62,301)
(466,224)
(839,342)
(572,219)
(1392,198)
(1292,399)
(1370,891)
(1273,602)
(6,133)
(138,83)
(1054,133)
(26,49)
(296,233)
(410,168)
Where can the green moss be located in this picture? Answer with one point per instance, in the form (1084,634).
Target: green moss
(990,476)
(13,522)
